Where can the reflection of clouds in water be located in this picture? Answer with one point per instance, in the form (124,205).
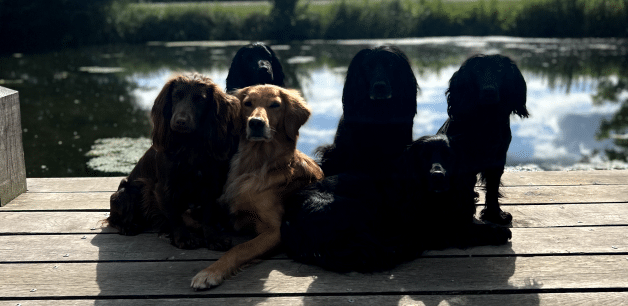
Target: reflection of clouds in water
(323,92)
(150,85)
(546,135)
(544,131)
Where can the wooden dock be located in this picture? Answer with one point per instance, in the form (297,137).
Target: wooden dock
(569,247)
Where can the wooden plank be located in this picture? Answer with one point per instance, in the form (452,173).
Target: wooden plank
(548,178)
(542,299)
(53,222)
(107,247)
(513,195)
(12,168)
(523,216)
(80,184)
(568,215)
(99,247)
(564,194)
(422,276)
(60,201)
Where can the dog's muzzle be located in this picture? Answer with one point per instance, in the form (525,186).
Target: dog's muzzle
(264,72)
(256,129)
(182,124)
(438,178)
(489,96)
(380,90)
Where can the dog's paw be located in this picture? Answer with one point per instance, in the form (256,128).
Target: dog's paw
(206,279)
(502,235)
(496,216)
(219,244)
(185,240)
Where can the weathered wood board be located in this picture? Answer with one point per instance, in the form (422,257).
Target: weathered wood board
(283,276)
(12,167)
(569,247)
(152,247)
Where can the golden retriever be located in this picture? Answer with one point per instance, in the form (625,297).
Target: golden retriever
(266,168)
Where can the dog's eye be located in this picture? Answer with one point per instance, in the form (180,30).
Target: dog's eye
(248,104)
(274,105)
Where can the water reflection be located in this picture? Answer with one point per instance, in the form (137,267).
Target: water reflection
(70,99)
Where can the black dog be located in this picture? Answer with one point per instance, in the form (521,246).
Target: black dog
(356,222)
(379,105)
(254,64)
(481,97)
(195,133)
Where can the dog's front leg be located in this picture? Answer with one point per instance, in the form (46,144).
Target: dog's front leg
(236,258)
(491,211)
(172,211)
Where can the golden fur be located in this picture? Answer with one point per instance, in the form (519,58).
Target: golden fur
(266,168)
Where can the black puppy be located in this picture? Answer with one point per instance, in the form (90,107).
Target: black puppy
(356,222)
(482,95)
(254,64)
(379,105)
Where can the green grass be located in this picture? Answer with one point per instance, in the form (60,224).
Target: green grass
(174,8)
(371,19)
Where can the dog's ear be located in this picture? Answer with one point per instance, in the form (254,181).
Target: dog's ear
(516,91)
(228,122)
(234,75)
(239,96)
(161,114)
(278,75)
(355,83)
(454,92)
(296,112)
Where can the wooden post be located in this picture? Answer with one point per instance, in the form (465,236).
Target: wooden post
(12,169)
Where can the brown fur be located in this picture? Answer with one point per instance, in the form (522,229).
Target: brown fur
(265,170)
(175,184)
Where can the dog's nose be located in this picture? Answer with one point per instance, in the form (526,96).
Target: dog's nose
(380,90)
(437,170)
(264,64)
(256,123)
(182,123)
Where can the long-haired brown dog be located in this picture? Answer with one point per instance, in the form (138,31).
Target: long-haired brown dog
(266,168)
(195,133)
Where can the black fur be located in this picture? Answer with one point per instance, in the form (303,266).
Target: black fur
(379,105)
(482,95)
(254,64)
(358,222)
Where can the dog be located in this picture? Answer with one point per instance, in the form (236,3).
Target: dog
(254,64)
(195,133)
(266,169)
(365,223)
(379,105)
(481,96)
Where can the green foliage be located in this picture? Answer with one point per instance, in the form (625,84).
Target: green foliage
(36,24)
(572,18)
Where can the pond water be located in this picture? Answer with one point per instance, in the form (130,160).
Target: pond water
(85,111)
